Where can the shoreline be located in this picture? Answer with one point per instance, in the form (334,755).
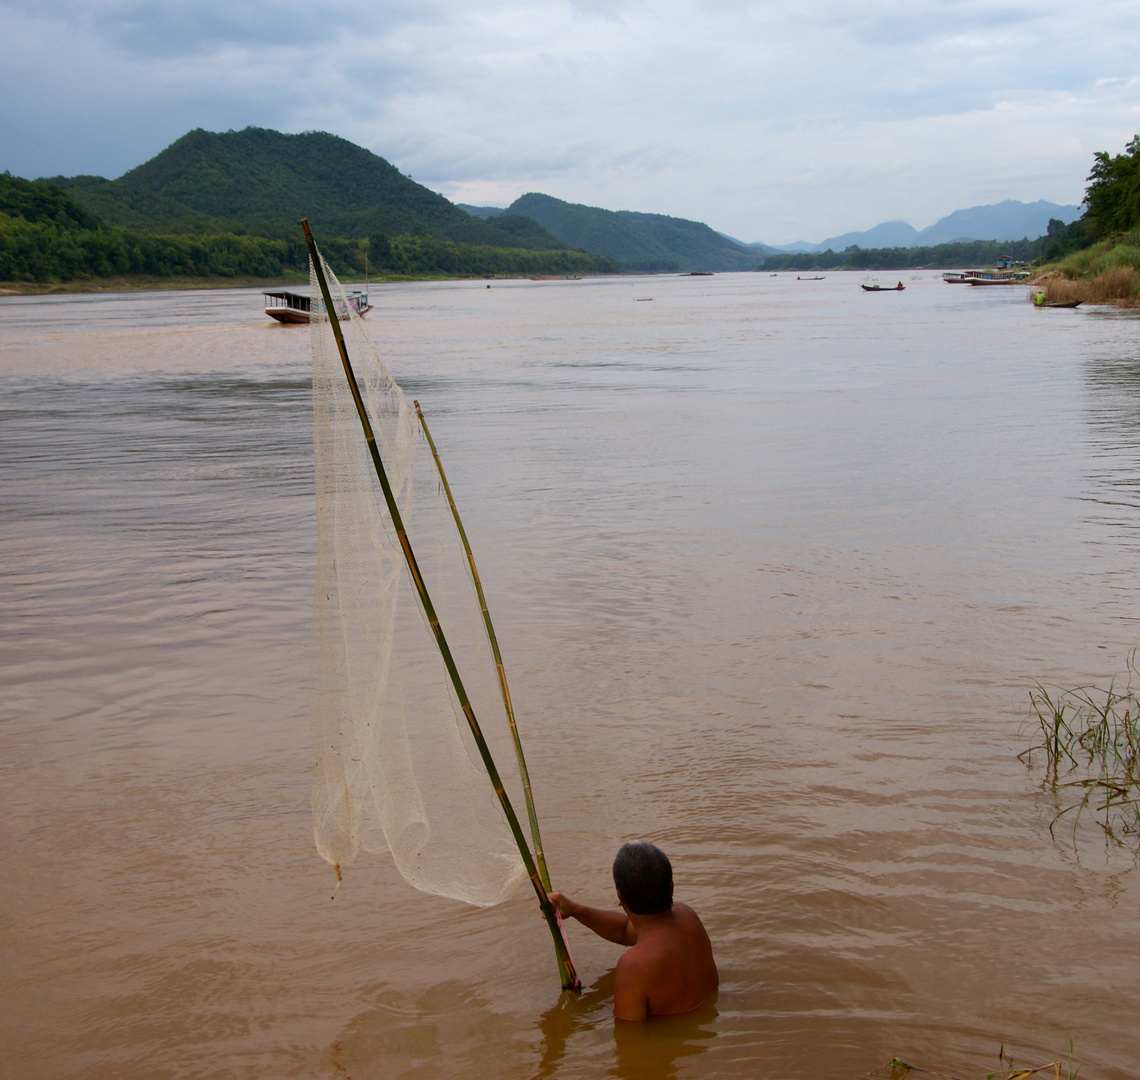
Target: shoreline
(139,284)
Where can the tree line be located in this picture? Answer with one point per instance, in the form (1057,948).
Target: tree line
(939,256)
(46,237)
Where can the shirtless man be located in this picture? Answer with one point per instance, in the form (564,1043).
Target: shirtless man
(670,967)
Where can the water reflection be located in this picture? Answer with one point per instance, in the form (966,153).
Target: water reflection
(571,1014)
(651,1049)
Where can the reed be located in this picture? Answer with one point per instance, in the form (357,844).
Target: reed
(1090,740)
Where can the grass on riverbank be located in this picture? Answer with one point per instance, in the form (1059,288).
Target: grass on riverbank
(1090,738)
(1108,272)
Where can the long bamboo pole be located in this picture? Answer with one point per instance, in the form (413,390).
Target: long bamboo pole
(504,689)
(565,963)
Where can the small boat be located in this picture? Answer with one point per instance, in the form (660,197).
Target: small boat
(555,277)
(1061,303)
(883,288)
(798,278)
(293,307)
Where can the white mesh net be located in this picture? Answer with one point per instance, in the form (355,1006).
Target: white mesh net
(395,764)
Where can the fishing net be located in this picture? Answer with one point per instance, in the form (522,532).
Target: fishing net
(395,766)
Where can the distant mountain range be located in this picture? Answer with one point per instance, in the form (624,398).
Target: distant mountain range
(260,182)
(656,242)
(1008,220)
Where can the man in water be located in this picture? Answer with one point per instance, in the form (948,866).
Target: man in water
(670,967)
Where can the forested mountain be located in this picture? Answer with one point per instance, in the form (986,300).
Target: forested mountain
(39,202)
(638,241)
(260,181)
(228,206)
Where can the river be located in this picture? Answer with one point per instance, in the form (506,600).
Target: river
(774,566)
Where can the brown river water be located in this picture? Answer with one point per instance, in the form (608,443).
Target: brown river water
(774,566)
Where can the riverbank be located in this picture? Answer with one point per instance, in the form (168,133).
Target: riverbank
(1108,272)
(142,283)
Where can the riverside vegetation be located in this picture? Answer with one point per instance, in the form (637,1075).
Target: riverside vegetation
(1097,258)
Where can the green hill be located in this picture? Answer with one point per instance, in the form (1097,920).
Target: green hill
(638,241)
(260,181)
(39,202)
(216,207)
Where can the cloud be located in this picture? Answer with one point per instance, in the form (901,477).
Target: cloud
(768,120)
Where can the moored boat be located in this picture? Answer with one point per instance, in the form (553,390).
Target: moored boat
(1005,272)
(999,277)
(295,307)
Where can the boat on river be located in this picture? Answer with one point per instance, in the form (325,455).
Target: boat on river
(998,277)
(295,307)
(883,288)
(1005,272)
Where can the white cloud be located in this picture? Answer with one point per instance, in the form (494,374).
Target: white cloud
(768,120)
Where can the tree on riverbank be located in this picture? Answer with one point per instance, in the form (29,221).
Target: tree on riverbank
(1097,257)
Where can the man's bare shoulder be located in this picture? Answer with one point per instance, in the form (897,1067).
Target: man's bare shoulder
(684,913)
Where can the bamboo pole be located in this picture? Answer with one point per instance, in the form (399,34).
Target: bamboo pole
(570,981)
(504,689)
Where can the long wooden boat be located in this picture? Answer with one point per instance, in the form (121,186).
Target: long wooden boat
(998,276)
(1015,278)
(883,288)
(293,307)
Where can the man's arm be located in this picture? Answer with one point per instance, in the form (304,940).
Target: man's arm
(612,925)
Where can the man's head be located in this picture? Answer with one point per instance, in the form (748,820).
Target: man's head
(643,878)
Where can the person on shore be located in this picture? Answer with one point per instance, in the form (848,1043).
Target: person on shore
(669,967)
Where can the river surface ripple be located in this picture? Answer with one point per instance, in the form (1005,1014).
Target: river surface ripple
(774,566)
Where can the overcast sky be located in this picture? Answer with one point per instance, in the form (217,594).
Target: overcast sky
(772,121)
